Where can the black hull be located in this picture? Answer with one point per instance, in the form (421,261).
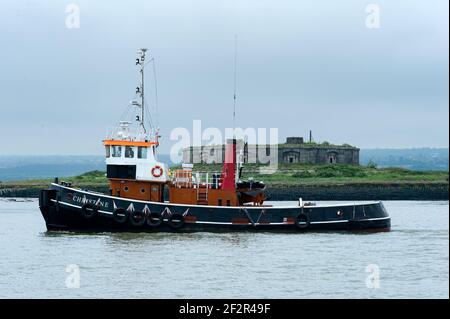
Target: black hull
(62,209)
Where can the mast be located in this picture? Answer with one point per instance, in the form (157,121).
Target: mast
(141,61)
(234,84)
(236,159)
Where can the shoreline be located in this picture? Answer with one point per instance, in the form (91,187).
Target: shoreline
(436,191)
(368,191)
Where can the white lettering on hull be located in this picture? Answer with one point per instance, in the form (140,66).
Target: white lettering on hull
(84,200)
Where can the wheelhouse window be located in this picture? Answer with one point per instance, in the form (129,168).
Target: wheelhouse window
(108,151)
(142,152)
(116,151)
(129,151)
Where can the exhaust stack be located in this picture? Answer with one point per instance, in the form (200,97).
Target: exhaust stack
(229,166)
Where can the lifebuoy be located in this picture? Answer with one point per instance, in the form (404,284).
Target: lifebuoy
(120,215)
(157,171)
(89,210)
(154,219)
(302,221)
(176,221)
(137,218)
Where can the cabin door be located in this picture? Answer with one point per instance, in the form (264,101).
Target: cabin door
(156,193)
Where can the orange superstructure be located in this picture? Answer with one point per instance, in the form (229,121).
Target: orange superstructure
(129,143)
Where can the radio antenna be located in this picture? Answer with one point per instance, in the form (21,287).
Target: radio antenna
(235,77)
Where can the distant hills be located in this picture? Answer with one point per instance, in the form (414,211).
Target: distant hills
(419,159)
(36,167)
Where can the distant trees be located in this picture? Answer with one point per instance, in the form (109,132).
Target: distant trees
(372,164)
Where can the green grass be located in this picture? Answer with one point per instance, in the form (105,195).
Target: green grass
(93,177)
(285,175)
(324,144)
(300,174)
(96,178)
(351,174)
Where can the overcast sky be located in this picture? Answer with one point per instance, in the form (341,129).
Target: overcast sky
(301,65)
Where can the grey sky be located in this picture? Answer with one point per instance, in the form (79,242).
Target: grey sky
(301,65)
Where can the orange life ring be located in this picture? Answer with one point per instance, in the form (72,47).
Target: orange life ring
(159,172)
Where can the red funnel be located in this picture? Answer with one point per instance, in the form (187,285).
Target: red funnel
(229,166)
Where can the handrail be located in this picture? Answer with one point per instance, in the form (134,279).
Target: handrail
(185,178)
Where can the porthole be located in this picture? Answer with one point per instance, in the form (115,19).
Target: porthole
(142,190)
(126,189)
(340,213)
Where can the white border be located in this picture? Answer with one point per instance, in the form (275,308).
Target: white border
(205,206)
(260,224)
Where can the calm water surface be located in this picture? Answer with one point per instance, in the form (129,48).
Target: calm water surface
(413,260)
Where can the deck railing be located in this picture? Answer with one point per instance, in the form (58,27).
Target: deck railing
(189,179)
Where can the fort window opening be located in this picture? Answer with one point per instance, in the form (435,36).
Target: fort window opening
(116,151)
(142,152)
(291,157)
(129,151)
(332,158)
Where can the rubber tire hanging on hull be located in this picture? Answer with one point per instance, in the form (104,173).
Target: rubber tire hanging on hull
(89,211)
(154,219)
(120,215)
(176,221)
(137,218)
(302,221)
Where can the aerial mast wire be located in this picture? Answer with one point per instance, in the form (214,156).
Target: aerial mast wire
(142,64)
(156,92)
(238,159)
(235,77)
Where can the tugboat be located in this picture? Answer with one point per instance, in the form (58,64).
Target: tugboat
(197,201)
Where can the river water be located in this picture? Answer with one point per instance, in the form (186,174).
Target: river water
(411,261)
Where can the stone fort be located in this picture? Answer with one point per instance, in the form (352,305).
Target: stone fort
(294,150)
